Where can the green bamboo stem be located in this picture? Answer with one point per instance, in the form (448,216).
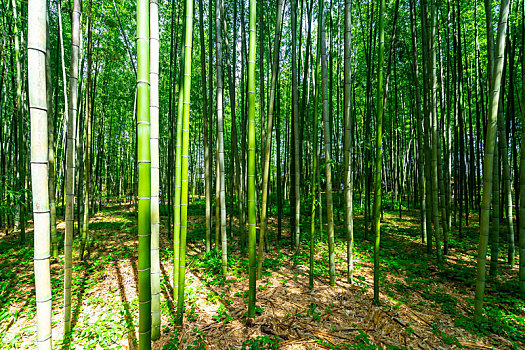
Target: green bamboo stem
(178,186)
(296,141)
(327,150)
(252,230)
(155,181)
(268,135)
(488,160)
(71,162)
(184,157)
(505,181)
(495,229)
(434,133)
(379,149)
(522,164)
(348,123)
(36,48)
(221,185)
(144,175)
(206,131)
(84,237)
(19,158)
(51,150)
(315,156)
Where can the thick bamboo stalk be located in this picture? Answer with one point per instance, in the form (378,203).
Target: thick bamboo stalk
(268,141)
(144,174)
(188,28)
(206,117)
(434,133)
(221,185)
(505,181)
(348,122)
(315,167)
(379,149)
(488,162)
(495,229)
(252,231)
(155,180)
(19,160)
(327,149)
(84,236)
(178,186)
(51,150)
(419,122)
(71,162)
(36,49)
(296,141)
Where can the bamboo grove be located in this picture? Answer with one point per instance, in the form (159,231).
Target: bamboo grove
(289,119)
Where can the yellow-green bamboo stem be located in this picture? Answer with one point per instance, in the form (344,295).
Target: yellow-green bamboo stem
(154,148)
(144,175)
(252,230)
(188,26)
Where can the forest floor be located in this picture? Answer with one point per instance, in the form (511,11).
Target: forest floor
(421,306)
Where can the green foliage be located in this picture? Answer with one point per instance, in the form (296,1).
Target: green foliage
(222,315)
(173,343)
(449,340)
(316,316)
(447,302)
(200,342)
(261,342)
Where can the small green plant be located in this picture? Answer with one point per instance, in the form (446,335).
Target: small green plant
(222,315)
(200,342)
(316,316)
(259,310)
(174,341)
(262,342)
(192,315)
(449,340)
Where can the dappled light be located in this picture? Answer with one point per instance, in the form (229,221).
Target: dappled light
(262,174)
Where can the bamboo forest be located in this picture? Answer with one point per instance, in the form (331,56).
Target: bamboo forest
(262,174)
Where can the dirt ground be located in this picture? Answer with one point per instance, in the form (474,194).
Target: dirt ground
(301,318)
